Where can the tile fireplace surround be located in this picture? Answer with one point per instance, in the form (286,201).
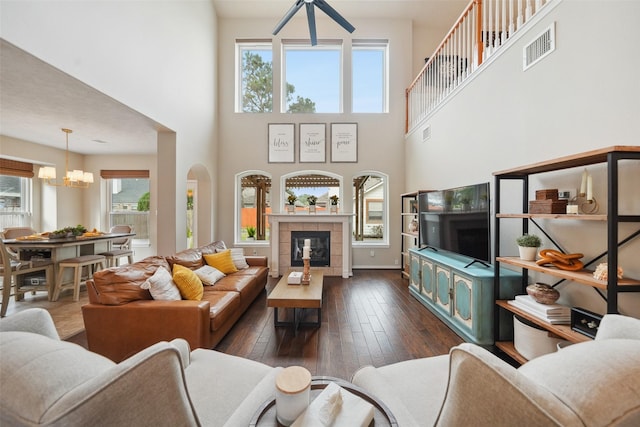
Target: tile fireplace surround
(338,224)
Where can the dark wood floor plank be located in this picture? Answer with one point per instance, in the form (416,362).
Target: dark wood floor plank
(368,319)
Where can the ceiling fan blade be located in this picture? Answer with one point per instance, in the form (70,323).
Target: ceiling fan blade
(297,5)
(333,14)
(311,18)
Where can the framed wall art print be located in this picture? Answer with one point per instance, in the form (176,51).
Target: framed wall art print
(344,142)
(281,143)
(313,142)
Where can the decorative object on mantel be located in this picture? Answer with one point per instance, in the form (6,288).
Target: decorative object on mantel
(528,245)
(547,202)
(291,205)
(334,203)
(570,262)
(601,272)
(585,202)
(75,178)
(543,293)
(312,203)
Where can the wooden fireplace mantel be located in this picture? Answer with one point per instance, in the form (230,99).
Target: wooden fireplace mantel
(275,221)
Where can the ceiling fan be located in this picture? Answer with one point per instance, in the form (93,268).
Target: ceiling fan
(323,6)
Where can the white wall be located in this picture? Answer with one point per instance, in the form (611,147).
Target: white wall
(158,58)
(583,96)
(243,137)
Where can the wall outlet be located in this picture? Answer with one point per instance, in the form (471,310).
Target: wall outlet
(372,253)
(567,194)
(255,252)
(396,262)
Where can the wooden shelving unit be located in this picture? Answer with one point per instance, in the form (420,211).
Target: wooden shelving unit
(609,288)
(409,239)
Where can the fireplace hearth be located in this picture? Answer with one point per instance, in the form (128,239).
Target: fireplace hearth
(320,248)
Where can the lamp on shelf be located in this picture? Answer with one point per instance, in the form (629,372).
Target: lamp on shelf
(75,178)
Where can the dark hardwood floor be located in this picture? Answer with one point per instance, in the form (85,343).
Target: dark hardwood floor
(368,319)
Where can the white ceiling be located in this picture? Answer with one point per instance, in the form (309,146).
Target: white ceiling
(37,100)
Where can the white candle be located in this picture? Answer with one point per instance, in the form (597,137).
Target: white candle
(589,188)
(583,184)
(305,252)
(307,242)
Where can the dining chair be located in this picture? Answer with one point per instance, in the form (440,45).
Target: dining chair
(120,248)
(14,232)
(13,270)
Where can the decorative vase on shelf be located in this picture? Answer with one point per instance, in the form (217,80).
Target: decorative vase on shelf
(334,209)
(291,209)
(527,253)
(312,209)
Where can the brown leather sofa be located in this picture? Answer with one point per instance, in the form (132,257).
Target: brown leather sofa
(122,318)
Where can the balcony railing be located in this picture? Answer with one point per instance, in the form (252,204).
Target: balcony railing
(480,31)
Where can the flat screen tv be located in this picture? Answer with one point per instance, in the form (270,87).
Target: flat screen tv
(457,220)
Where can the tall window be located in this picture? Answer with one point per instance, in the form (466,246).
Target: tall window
(312,78)
(15,201)
(254,77)
(369,76)
(370,208)
(254,203)
(15,193)
(128,200)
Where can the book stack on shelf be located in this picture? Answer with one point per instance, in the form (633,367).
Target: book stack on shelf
(555,314)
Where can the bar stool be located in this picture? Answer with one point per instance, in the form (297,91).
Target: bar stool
(121,247)
(93,264)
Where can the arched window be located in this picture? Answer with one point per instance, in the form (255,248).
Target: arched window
(253,193)
(370,208)
(309,187)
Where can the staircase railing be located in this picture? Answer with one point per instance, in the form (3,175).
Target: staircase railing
(480,31)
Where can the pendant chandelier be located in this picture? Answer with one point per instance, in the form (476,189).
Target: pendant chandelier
(75,178)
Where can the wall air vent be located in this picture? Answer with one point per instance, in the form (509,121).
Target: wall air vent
(543,45)
(426,133)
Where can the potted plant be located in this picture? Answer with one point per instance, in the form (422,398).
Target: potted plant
(312,203)
(251,232)
(334,203)
(291,199)
(528,245)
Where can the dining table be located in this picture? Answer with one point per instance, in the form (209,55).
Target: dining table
(41,247)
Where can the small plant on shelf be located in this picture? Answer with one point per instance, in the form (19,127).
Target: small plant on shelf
(312,200)
(251,232)
(334,200)
(529,241)
(528,245)
(292,199)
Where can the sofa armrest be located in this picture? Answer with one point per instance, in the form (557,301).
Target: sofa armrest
(256,260)
(148,388)
(36,320)
(118,332)
(618,326)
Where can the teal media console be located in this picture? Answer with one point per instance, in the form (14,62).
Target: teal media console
(460,292)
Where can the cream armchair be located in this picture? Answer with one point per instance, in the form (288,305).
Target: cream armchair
(595,383)
(45,381)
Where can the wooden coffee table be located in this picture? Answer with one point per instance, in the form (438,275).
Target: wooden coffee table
(299,298)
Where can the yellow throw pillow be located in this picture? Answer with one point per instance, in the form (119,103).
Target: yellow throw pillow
(188,283)
(222,261)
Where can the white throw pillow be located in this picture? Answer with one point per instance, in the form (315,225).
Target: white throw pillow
(237,255)
(209,275)
(162,286)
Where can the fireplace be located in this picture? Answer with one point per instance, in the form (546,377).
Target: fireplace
(320,248)
(338,225)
